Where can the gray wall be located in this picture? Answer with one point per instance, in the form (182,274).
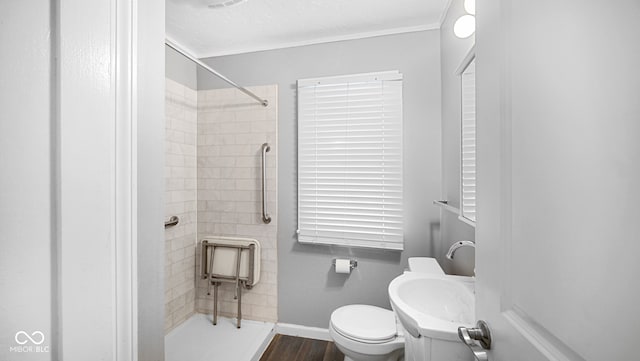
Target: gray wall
(27,180)
(180,69)
(309,290)
(453,50)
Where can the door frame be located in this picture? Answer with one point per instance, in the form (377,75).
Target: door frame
(110,127)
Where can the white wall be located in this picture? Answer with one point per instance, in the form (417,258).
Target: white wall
(453,51)
(309,289)
(27,180)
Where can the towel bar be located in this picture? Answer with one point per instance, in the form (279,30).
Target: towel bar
(171,222)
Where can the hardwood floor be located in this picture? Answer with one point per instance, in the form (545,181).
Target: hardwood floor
(291,348)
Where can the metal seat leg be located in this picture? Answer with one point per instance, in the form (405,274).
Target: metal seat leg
(238,289)
(215,303)
(239,305)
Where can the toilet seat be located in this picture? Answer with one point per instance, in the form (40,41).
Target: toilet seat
(365,323)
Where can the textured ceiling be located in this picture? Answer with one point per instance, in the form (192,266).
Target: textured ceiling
(270,24)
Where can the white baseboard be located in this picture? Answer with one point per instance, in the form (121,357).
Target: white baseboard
(315,333)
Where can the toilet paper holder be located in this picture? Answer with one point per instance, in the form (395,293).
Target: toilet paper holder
(352,263)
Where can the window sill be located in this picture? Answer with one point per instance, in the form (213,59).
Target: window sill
(445,205)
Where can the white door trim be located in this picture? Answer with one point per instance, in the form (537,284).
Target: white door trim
(97,151)
(126,179)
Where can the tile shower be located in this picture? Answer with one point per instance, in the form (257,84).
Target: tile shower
(231,129)
(213,183)
(180,200)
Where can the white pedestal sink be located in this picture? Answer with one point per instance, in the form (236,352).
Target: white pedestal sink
(430,307)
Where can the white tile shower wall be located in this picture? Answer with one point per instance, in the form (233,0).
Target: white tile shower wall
(231,130)
(180,200)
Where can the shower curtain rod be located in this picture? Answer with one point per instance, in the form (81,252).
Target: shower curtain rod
(175,47)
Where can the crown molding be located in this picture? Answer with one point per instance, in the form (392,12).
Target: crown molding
(322,40)
(181,45)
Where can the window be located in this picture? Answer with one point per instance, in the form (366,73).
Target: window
(468,144)
(350,160)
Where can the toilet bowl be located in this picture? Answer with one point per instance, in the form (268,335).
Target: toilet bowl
(370,333)
(367,333)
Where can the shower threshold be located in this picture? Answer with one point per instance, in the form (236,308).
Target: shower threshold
(197,339)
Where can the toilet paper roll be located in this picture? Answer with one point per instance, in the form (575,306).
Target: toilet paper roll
(343,266)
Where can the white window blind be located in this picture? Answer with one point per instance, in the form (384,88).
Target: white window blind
(350,160)
(468,142)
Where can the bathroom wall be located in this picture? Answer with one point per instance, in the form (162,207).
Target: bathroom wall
(453,51)
(231,130)
(180,200)
(180,69)
(308,288)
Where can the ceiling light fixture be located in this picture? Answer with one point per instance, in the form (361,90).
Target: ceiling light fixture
(465,26)
(219,4)
(470,6)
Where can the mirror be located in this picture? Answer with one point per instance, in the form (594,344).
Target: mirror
(467,73)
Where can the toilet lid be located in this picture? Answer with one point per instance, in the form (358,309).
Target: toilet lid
(365,323)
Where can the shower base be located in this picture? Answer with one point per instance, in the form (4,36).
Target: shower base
(197,339)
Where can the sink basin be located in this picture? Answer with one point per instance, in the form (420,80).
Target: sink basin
(433,305)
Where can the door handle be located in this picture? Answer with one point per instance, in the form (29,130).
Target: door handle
(479,333)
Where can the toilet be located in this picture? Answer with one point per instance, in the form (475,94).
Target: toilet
(367,333)
(370,333)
